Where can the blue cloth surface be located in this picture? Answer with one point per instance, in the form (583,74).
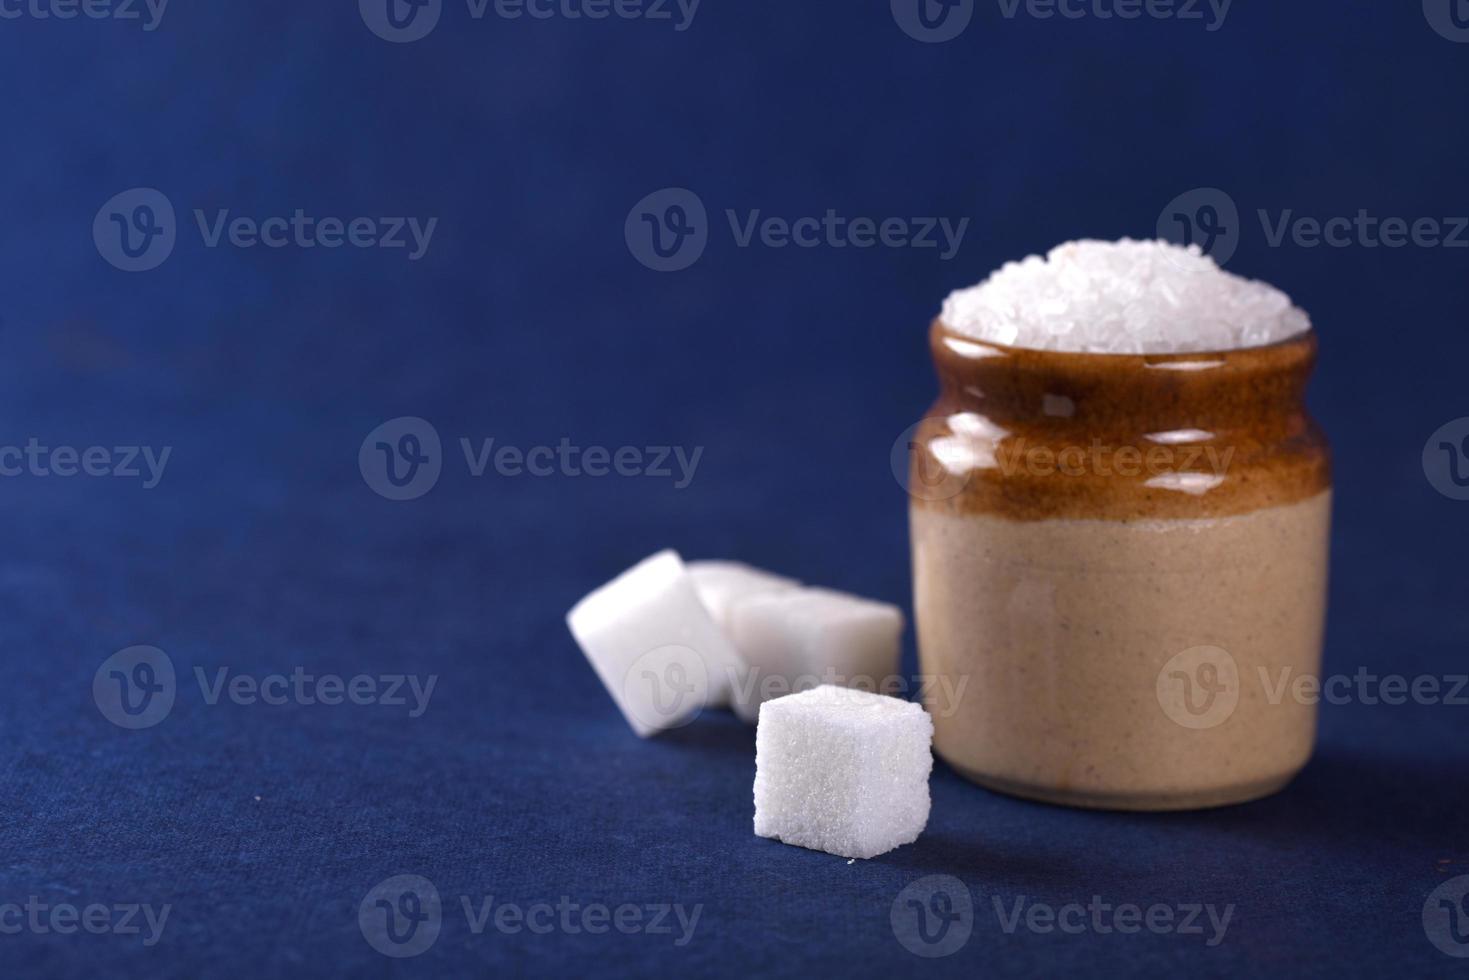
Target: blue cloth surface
(263,828)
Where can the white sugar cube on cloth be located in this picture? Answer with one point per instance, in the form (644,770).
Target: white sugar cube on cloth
(842,771)
(653,644)
(795,639)
(723,584)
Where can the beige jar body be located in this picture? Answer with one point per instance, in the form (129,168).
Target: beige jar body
(1118,639)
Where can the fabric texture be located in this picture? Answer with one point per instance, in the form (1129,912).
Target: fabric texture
(265,827)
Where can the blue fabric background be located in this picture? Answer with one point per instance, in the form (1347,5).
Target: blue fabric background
(528,320)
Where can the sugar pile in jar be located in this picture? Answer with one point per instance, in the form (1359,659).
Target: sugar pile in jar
(1126,297)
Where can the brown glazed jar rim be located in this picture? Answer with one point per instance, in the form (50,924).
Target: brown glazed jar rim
(1180,389)
(1009,403)
(1296,350)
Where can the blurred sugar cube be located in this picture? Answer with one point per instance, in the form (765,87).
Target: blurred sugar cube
(842,771)
(654,645)
(794,639)
(722,585)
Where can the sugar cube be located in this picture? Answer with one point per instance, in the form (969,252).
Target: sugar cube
(653,644)
(842,771)
(722,584)
(795,639)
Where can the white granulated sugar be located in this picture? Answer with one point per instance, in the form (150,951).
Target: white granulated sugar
(1124,297)
(842,771)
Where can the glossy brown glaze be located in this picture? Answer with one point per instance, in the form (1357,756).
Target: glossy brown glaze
(1037,435)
